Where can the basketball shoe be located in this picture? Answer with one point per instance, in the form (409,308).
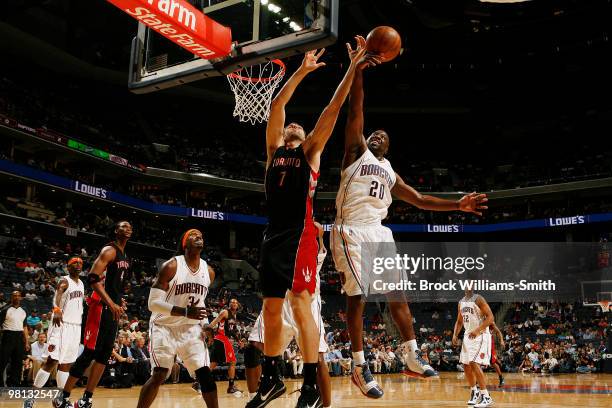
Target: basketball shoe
(485,401)
(61,402)
(269,390)
(414,363)
(309,398)
(362,377)
(475,397)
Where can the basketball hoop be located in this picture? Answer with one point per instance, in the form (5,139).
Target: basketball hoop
(605,305)
(253,88)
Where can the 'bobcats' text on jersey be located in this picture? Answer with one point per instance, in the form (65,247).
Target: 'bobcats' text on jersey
(365,191)
(187,288)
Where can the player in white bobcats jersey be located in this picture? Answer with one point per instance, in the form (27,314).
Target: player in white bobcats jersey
(290,331)
(176,301)
(475,316)
(65,332)
(366,185)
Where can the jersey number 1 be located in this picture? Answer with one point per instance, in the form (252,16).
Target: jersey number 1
(375,191)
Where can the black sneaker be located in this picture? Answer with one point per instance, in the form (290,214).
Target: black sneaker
(267,392)
(501,381)
(61,402)
(196,387)
(81,403)
(309,398)
(29,403)
(233,390)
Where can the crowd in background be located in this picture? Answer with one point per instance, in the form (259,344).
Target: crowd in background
(230,151)
(539,337)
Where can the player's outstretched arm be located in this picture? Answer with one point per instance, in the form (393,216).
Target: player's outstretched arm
(354,140)
(488,314)
(222,315)
(314,145)
(458,325)
(276,122)
(472,202)
(107,255)
(157,295)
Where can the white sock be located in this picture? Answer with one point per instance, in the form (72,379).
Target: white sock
(475,388)
(485,392)
(251,395)
(62,377)
(41,378)
(358,357)
(412,345)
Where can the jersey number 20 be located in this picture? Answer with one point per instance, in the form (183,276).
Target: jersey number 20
(375,191)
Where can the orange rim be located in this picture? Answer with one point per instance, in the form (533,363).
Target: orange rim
(278,62)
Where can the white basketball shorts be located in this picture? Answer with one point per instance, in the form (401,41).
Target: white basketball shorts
(63,343)
(184,341)
(477,350)
(348,243)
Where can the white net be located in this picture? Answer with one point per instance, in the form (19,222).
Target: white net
(253,88)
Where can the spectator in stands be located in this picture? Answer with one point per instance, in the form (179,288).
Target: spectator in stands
(37,349)
(126,365)
(31,296)
(46,290)
(389,360)
(14,341)
(30,285)
(376,361)
(526,366)
(332,358)
(2,300)
(45,320)
(585,363)
(33,319)
(550,364)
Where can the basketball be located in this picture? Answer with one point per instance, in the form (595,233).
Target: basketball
(384,41)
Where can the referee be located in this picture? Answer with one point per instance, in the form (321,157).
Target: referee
(14,342)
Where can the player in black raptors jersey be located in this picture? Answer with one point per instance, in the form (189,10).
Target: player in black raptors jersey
(105,308)
(288,261)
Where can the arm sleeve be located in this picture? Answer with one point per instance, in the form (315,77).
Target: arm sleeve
(157,302)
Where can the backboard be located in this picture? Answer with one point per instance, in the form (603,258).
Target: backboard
(261,30)
(594,292)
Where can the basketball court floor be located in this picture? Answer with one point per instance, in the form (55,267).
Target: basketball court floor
(568,390)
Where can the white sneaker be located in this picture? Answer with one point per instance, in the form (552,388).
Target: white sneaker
(415,365)
(486,401)
(475,398)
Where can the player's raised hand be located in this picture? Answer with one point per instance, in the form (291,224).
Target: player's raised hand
(368,60)
(197,313)
(311,60)
(473,202)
